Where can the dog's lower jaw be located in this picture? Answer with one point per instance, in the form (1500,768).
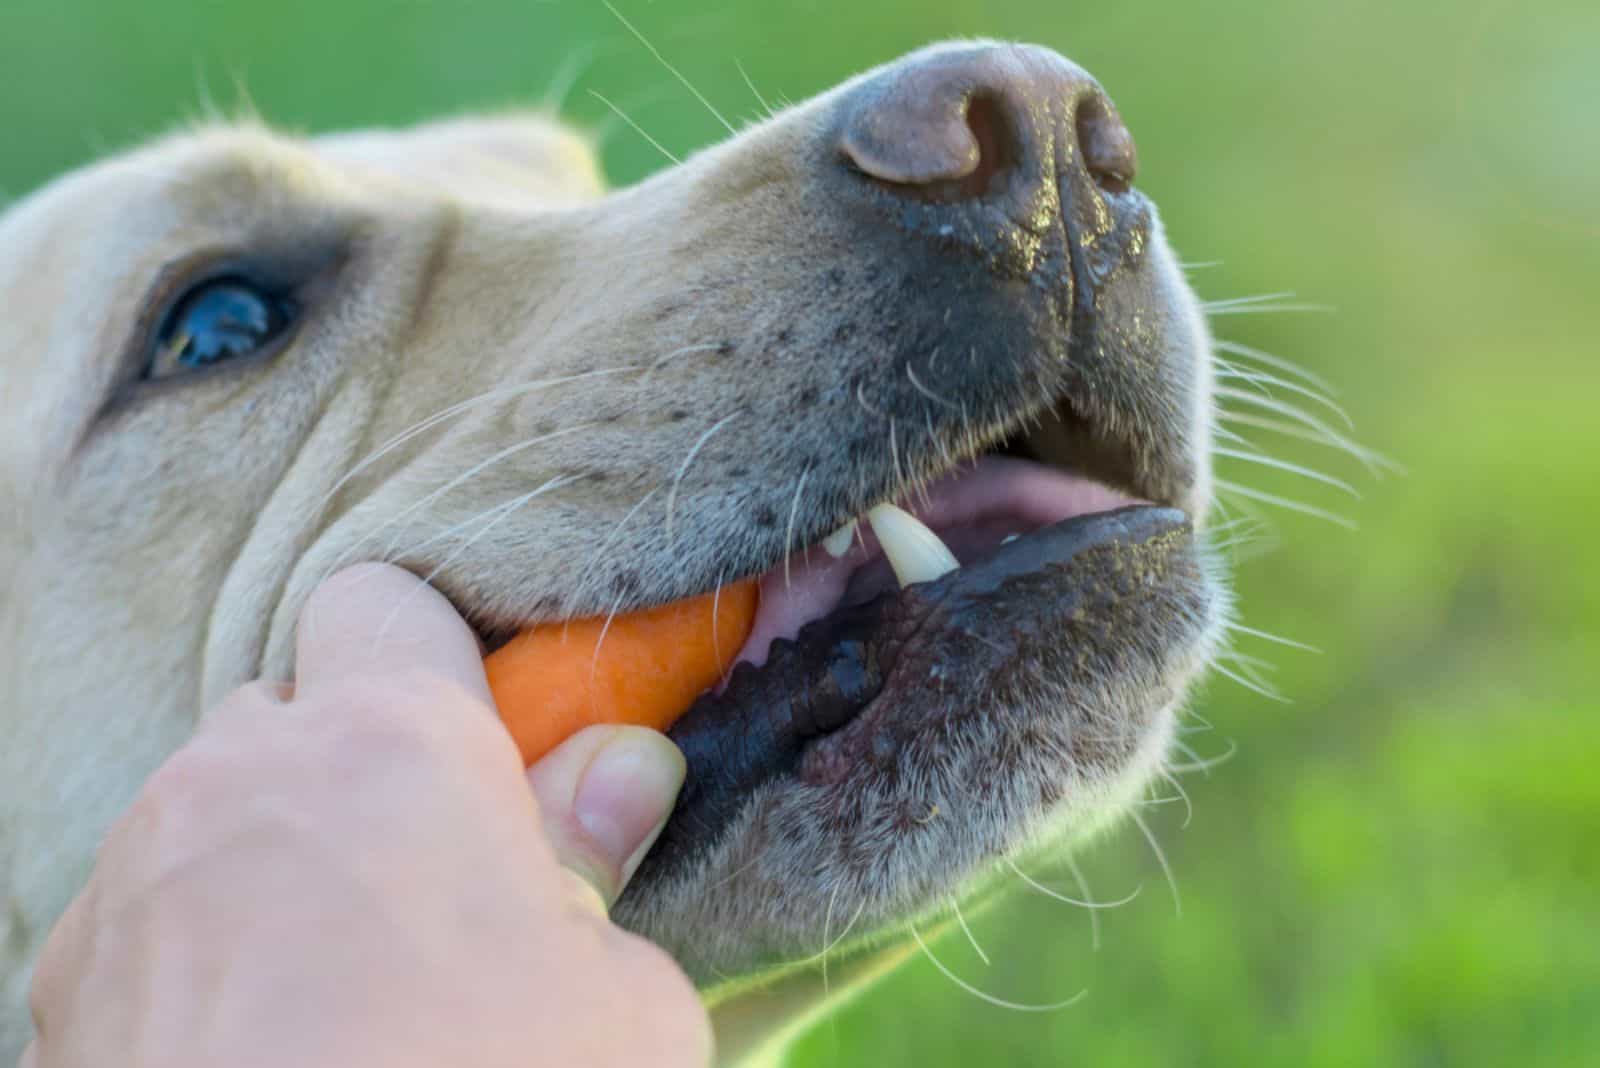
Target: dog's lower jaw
(758,1018)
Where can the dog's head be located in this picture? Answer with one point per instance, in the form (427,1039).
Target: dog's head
(234,361)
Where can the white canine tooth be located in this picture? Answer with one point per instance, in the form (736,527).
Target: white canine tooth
(914,551)
(838,543)
(1008,539)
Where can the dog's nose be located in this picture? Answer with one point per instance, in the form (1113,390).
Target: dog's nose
(963,124)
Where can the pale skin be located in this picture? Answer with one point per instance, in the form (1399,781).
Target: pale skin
(355,871)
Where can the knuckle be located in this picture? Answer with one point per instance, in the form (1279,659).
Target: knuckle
(184,787)
(415,717)
(250,704)
(256,696)
(371,718)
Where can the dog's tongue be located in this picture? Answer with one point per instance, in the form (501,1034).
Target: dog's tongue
(552,680)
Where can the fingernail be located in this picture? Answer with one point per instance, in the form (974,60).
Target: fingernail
(626,794)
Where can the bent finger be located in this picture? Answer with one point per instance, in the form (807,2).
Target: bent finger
(604,795)
(376,620)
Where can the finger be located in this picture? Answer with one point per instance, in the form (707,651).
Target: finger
(605,794)
(62,962)
(375,620)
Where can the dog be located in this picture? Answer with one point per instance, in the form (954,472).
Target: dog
(234,361)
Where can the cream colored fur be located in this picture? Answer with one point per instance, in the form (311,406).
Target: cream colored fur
(156,540)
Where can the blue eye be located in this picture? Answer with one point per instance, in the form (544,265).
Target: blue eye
(216,321)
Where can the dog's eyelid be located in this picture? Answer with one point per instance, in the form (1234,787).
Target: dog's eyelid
(289,277)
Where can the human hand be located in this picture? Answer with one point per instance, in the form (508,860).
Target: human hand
(357,873)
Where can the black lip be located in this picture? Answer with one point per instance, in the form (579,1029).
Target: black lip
(761,725)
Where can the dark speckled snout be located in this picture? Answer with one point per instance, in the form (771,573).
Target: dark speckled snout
(984,124)
(1006,157)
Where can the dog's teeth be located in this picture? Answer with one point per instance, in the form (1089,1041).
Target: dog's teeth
(838,543)
(1008,539)
(914,551)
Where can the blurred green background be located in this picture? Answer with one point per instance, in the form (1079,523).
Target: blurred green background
(1402,866)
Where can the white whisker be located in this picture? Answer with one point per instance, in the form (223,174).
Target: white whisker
(1088,896)
(433,495)
(605,628)
(765,107)
(1161,858)
(1285,465)
(504,510)
(1286,503)
(938,441)
(1234,436)
(1251,667)
(1233,348)
(625,117)
(1233,656)
(683,469)
(794,512)
(1244,302)
(670,68)
(1280,407)
(924,390)
(1188,805)
(1201,764)
(716,631)
(1270,309)
(1269,382)
(955,906)
(861,399)
(446,534)
(1374,462)
(443,414)
(1275,638)
(1257,687)
(822,954)
(894,456)
(599,552)
(1059,896)
(1239,532)
(567,75)
(985,996)
(710,346)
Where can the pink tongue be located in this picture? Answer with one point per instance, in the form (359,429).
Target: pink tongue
(811,582)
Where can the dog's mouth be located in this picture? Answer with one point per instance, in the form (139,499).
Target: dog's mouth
(934,604)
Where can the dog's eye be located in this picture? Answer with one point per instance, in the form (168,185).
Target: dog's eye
(216,321)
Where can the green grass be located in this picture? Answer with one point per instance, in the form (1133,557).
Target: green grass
(1401,866)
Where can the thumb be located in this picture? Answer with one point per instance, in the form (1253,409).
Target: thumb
(604,794)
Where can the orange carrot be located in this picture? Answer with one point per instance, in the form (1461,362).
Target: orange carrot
(645,667)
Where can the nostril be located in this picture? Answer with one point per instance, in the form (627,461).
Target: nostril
(961,152)
(1108,150)
(997,145)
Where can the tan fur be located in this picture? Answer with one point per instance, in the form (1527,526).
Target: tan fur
(157,542)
